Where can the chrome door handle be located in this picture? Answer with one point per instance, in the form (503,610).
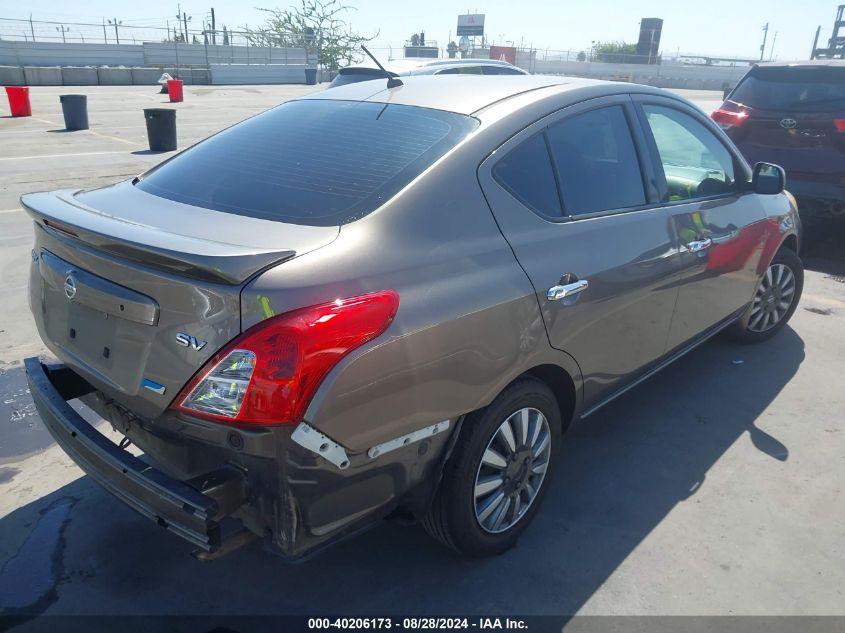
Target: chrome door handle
(556,293)
(697,246)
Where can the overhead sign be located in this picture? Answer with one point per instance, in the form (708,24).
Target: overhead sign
(503,54)
(471,24)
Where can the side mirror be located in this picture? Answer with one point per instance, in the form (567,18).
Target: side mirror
(768,179)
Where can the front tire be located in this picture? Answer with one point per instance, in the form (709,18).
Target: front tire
(775,300)
(499,471)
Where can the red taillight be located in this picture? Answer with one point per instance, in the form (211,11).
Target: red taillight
(268,374)
(727,119)
(840,124)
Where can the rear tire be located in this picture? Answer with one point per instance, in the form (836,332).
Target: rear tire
(468,518)
(775,300)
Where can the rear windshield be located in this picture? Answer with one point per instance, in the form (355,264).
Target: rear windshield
(813,89)
(316,162)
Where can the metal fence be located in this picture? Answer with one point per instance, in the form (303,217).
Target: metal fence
(40,43)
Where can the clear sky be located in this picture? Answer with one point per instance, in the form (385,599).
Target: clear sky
(697,26)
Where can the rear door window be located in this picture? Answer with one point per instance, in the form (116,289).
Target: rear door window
(526,172)
(461,70)
(317,162)
(801,89)
(500,70)
(597,162)
(695,162)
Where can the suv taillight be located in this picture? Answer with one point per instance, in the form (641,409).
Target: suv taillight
(840,124)
(268,374)
(727,119)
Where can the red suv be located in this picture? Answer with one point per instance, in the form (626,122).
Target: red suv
(793,115)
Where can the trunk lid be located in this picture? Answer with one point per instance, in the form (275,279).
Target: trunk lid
(137,292)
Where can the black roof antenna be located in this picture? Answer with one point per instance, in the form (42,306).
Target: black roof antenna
(392,82)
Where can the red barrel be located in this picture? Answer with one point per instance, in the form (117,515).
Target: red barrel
(174,89)
(19,100)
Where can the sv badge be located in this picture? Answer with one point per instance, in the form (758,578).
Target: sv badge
(187,340)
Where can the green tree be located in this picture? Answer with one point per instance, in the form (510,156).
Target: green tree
(318,26)
(614,51)
(415,39)
(452,49)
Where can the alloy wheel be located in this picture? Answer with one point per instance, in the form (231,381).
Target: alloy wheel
(512,470)
(773,298)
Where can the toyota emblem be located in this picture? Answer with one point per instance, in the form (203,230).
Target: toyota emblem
(788,124)
(70,287)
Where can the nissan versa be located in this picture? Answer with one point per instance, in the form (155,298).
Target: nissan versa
(377,302)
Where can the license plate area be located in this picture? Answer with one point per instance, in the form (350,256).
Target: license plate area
(91,334)
(112,348)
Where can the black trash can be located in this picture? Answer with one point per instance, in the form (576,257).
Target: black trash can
(161,129)
(311,76)
(75,110)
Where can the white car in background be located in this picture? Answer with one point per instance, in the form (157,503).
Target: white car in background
(405,67)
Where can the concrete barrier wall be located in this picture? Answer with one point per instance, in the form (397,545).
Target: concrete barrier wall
(145,76)
(105,76)
(14,53)
(72,54)
(42,76)
(115,76)
(73,76)
(189,76)
(12,76)
(663,75)
(232,74)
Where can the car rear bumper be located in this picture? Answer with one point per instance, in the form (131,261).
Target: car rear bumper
(189,511)
(280,491)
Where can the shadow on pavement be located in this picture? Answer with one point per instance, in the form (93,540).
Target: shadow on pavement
(621,472)
(151,152)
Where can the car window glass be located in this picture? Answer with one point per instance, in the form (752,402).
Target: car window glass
(315,162)
(461,70)
(814,89)
(695,162)
(500,70)
(526,173)
(596,161)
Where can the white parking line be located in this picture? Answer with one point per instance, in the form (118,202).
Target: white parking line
(122,151)
(2,211)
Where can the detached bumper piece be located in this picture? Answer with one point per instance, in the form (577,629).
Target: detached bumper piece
(183,509)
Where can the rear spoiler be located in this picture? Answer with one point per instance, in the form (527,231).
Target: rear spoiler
(66,218)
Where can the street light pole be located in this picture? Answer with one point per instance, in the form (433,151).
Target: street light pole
(763,45)
(772,49)
(183,17)
(116,22)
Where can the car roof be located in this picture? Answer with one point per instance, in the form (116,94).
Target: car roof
(467,60)
(808,64)
(452,92)
(405,65)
